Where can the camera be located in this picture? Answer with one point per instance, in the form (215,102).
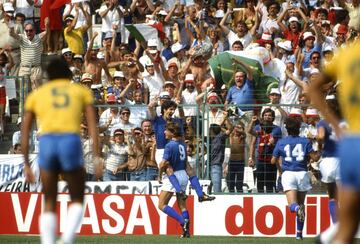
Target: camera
(294,4)
(97,91)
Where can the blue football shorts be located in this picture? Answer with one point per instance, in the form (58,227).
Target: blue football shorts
(349,154)
(60,152)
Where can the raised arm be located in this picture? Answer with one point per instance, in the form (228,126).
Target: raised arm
(248,69)
(88,23)
(281,18)
(73,23)
(251,129)
(46,32)
(88,51)
(105,12)
(222,23)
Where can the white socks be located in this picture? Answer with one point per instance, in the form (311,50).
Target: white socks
(47,224)
(74,218)
(328,235)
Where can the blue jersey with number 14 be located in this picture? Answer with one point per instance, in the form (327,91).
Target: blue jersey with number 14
(175,154)
(294,152)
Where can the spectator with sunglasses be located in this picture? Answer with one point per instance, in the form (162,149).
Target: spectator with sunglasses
(31,47)
(124,122)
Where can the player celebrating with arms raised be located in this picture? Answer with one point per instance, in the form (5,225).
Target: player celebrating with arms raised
(58,106)
(175,156)
(294,152)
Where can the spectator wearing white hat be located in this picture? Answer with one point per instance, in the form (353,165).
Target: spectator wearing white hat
(153,50)
(291,85)
(292,31)
(311,44)
(188,96)
(93,65)
(153,78)
(299,114)
(285,50)
(82,20)
(119,83)
(179,52)
(67,56)
(74,36)
(280,114)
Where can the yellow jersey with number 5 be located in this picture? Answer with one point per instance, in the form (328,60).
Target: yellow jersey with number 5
(59,105)
(345,66)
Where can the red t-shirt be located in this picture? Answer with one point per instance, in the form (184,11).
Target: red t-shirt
(293,37)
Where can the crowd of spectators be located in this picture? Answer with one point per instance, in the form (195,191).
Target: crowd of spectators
(132,80)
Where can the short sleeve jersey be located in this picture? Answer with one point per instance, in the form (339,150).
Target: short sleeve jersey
(175,154)
(59,106)
(294,152)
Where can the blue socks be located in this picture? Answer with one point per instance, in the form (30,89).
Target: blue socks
(174,181)
(294,207)
(333,210)
(185,214)
(194,181)
(173,214)
(299,225)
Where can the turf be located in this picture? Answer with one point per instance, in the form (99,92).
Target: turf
(161,239)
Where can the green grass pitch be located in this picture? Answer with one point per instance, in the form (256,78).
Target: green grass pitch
(160,239)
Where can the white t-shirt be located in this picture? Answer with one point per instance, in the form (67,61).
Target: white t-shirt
(154,83)
(189,99)
(139,112)
(22,6)
(104,118)
(116,156)
(289,93)
(112,17)
(245,40)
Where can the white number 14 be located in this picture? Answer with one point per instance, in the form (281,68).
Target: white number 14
(297,152)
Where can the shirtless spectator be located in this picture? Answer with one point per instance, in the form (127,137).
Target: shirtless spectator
(92,64)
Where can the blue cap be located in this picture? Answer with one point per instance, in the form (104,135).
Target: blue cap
(290,59)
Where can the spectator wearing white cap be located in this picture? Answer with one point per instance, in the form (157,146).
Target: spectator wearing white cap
(291,85)
(285,50)
(280,114)
(311,44)
(119,83)
(188,96)
(292,31)
(179,52)
(70,9)
(93,65)
(74,36)
(67,55)
(298,113)
(153,47)
(112,14)
(153,78)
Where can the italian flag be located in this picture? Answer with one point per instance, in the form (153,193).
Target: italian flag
(144,32)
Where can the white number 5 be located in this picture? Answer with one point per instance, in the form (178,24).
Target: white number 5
(297,152)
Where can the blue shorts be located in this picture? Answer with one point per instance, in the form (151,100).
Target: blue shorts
(349,154)
(60,152)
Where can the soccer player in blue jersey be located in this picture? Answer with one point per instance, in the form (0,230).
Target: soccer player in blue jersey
(159,122)
(329,165)
(175,156)
(295,153)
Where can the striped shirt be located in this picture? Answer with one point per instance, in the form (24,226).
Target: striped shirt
(31,50)
(117,155)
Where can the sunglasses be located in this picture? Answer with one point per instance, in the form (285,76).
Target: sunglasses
(125,113)
(316,57)
(29,30)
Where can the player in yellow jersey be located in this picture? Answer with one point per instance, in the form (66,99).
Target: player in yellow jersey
(59,106)
(345,67)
